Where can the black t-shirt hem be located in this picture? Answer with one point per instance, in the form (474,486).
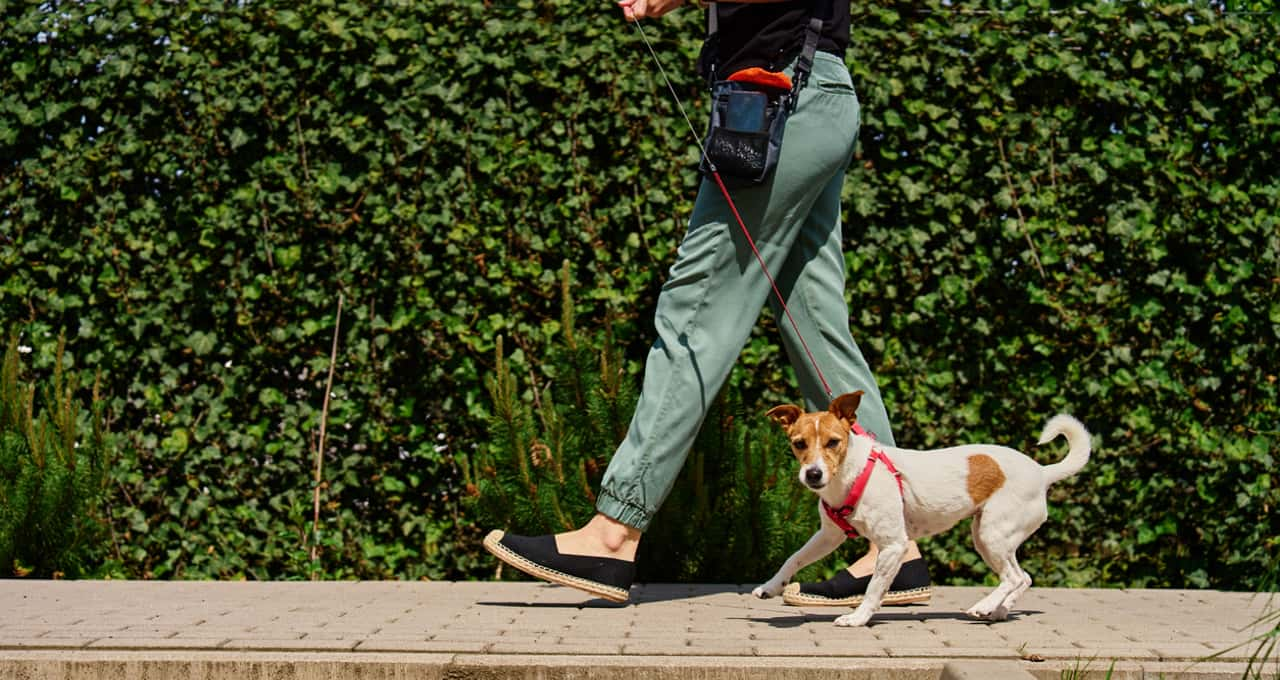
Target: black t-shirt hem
(771,35)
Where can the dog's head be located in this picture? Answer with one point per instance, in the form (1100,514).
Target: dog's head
(819,440)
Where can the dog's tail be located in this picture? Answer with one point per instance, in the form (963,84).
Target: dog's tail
(1077,455)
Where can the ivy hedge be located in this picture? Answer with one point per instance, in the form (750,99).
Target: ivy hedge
(1052,209)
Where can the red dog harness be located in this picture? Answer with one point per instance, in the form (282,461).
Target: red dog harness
(839,514)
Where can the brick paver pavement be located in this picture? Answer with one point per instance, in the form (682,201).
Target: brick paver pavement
(397,629)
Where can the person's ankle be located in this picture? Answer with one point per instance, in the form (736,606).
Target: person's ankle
(603,536)
(614,536)
(866,564)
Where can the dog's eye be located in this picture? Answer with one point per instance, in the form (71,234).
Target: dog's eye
(799,444)
(833,443)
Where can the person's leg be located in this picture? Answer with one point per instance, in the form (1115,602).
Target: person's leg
(704,316)
(813,284)
(813,281)
(815,296)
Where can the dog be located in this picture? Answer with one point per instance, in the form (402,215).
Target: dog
(920,493)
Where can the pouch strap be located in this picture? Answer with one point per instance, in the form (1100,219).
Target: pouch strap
(812,32)
(711,48)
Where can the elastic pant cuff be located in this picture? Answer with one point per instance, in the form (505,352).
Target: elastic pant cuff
(631,514)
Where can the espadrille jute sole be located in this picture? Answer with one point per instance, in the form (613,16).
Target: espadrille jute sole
(792,596)
(493,543)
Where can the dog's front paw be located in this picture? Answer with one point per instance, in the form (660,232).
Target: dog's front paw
(768,590)
(983,613)
(855,620)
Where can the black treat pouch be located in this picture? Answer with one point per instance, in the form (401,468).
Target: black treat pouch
(745,135)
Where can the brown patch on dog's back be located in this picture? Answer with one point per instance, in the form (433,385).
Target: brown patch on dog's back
(985,477)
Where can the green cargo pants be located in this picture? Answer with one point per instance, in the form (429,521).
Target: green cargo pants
(715,292)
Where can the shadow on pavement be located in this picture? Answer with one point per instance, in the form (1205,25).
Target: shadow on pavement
(793,621)
(640,594)
(596,603)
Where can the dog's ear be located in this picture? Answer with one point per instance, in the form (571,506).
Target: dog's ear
(845,406)
(784,415)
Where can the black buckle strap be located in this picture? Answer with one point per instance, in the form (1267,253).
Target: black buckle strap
(804,65)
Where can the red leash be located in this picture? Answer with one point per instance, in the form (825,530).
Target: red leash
(759,258)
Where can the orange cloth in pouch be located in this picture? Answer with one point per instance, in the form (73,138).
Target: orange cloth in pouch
(758,76)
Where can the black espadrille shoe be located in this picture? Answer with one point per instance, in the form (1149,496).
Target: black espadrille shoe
(844,590)
(538,556)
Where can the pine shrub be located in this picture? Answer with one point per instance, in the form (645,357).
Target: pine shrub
(52,475)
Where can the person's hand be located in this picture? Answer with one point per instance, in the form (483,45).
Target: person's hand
(645,9)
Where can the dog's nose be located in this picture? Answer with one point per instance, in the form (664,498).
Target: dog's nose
(813,475)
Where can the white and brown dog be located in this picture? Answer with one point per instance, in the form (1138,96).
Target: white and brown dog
(910,494)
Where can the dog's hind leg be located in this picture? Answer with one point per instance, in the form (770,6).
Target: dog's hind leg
(1031,520)
(997,538)
(1012,598)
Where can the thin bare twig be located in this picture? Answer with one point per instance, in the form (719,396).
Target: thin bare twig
(1013,194)
(324,421)
(266,237)
(302,149)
